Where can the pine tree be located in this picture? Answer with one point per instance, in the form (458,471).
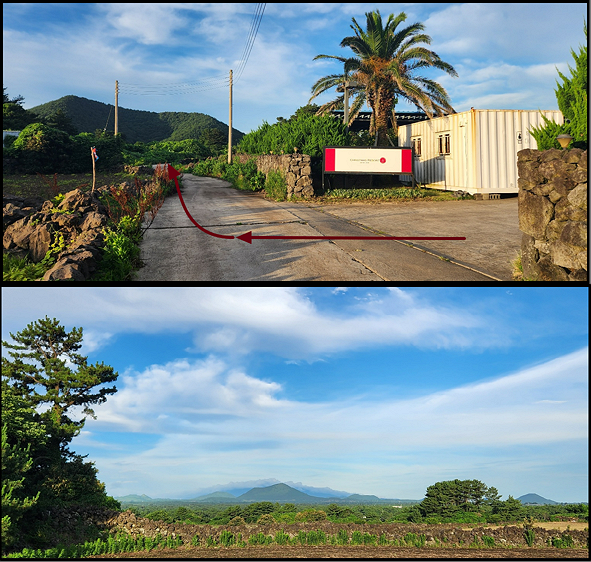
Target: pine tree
(572,102)
(46,369)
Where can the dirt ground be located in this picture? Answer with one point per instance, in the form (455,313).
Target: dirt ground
(358,552)
(550,525)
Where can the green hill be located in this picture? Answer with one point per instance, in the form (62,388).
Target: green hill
(134,498)
(535,499)
(361,498)
(135,125)
(277,493)
(215,496)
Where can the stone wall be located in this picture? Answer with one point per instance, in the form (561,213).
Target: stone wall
(296,168)
(31,226)
(553,214)
(66,520)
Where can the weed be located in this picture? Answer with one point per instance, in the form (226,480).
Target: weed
(489,542)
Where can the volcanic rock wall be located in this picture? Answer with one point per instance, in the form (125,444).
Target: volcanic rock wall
(553,214)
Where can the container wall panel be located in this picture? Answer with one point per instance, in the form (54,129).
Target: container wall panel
(483,148)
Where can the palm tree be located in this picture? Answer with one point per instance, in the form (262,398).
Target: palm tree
(384,69)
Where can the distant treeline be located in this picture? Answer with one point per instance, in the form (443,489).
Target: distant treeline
(507,511)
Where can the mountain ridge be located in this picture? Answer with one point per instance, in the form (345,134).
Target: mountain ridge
(134,124)
(535,499)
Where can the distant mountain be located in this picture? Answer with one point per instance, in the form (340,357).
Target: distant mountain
(272,490)
(535,499)
(134,498)
(319,492)
(144,126)
(239,488)
(360,498)
(277,493)
(215,496)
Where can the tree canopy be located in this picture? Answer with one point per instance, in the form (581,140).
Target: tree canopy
(384,69)
(48,389)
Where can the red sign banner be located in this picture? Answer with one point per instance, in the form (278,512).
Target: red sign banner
(354,160)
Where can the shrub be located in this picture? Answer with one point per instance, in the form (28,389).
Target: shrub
(342,537)
(310,515)
(308,133)
(260,538)
(356,538)
(237,521)
(266,519)
(281,537)
(40,148)
(489,542)
(227,538)
(275,186)
(529,536)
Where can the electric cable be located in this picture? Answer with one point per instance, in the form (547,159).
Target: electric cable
(203,84)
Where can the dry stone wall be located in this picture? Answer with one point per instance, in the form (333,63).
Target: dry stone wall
(448,534)
(296,168)
(553,214)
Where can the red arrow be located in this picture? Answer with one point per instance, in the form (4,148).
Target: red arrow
(248,237)
(173,175)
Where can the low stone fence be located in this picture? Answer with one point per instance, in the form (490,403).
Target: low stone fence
(32,225)
(444,534)
(553,214)
(297,169)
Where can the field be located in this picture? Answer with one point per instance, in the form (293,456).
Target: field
(357,552)
(27,185)
(550,525)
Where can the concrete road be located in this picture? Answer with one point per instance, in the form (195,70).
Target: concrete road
(174,249)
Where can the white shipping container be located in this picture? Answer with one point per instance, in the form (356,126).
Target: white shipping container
(473,151)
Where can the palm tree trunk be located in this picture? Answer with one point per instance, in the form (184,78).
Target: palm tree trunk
(384,110)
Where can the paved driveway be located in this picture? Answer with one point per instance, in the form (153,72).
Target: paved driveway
(491,228)
(175,250)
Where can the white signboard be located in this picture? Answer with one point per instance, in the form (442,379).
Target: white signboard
(353,160)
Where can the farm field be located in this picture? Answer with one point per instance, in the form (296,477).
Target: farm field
(357,552)
(549,525)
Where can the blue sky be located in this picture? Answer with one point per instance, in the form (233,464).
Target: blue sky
(506,55)
(368,390)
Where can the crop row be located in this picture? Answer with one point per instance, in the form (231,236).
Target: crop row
(122,543)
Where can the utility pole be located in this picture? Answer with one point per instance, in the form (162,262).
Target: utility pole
(116,106)
(230,125)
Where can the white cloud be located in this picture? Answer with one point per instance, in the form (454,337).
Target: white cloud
(215,417)
(281,320)
(181,396)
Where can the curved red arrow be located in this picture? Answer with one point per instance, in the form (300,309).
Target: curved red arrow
(173,175)
(248,237)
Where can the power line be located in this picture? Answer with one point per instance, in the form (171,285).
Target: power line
(204,84)
(254,29)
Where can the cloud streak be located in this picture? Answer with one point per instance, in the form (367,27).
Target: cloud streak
(280,320)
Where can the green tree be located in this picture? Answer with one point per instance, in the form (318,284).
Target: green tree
(14,116)
(385,68)
(40,148)
(572,102)
(214,140)
(455,496)
(508,510)
(60,120)
(253,511)
(46,368)
(16,461)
